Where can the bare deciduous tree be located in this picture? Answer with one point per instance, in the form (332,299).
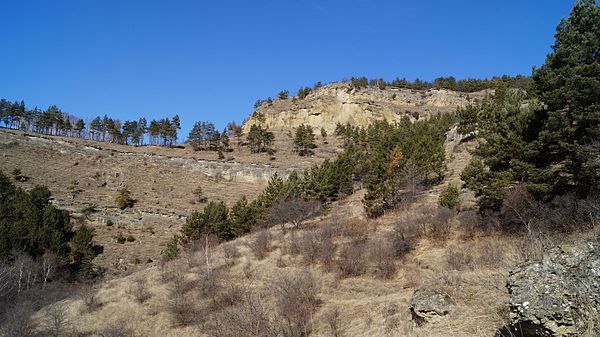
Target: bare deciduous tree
(91,302)
(351,261)
(296,303)
(261,244)
(252,317)
(55,322)
(294,211)
(49,263)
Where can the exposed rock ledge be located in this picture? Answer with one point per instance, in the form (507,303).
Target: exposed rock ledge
(559,296)
(225,170)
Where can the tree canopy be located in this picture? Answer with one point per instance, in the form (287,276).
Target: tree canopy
(29,223)
(547,139)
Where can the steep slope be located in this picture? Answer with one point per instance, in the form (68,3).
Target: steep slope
(346,305)
(341,102)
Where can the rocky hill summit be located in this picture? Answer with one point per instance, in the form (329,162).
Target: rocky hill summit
(341,102)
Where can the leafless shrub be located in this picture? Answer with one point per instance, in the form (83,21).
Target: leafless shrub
(420,220)
(165,268)
(139,290)
(520,210)
(116,329)
(261,244)
(247,270)
(381,254)
(292,244)
(90,301)
(405,236)
(328,247)
(230,253)
(336,226)
(590,208)
(209,282)
(351,260)
(250,317)
(521,213)
(459,258)
(178,303)
(491,254)
(468,222)
(440,224)
(296,303)
(568,212)
(17,321)
(309,246)
(332,319)
(356,229)
(55,322)
(229,295)
(402,244)
(533,247)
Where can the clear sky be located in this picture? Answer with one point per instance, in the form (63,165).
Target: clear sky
(210,60)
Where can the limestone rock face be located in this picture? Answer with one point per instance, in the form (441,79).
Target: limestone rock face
(429,303)
(559,296)
(340,102)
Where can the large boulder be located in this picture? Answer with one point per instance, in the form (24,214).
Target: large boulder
(429,303)
(559,296)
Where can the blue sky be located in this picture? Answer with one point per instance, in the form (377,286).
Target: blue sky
(210,60)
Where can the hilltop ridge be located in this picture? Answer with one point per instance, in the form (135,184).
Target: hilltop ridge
(341,102)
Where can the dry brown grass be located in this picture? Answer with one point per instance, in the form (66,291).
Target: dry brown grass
(241,295)
(288,288)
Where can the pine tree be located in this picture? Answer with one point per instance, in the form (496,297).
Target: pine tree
(569,85)
(79,127)
(243,217)
(259,139)
(82,252)
(172,250)
(214,219)
(304,139)
(324,134)
(548,143)
(283,95)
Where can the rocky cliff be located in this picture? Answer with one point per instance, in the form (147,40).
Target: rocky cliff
(341,102)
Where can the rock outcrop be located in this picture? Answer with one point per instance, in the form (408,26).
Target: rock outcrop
(340,102)
(429,303)
(559,296)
